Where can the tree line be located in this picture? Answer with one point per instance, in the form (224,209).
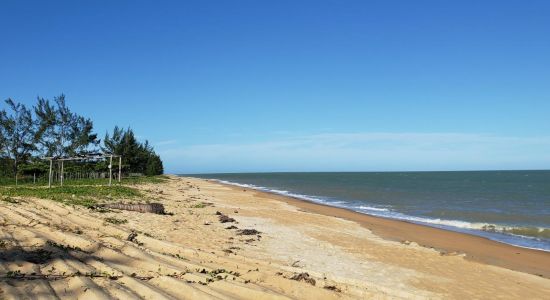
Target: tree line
(51,129)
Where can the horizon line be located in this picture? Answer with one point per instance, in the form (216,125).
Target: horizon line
(413,171)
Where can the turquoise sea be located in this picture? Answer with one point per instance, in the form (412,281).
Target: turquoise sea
(507,206)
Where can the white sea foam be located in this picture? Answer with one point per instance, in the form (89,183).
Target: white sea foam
(274,191)
(363,207)
(483,229)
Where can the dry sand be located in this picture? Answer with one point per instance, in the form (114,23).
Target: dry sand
(191,255)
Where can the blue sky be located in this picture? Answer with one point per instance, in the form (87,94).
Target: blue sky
(221,86)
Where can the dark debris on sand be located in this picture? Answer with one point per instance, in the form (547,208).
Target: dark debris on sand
(303,277)
(332,288)
(247,232)
(224,218)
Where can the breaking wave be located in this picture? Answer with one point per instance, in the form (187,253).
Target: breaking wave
(527,237)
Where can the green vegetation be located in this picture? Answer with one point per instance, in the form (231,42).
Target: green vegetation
(14,274)
(85,192)
(199,205)
(51,129)
(116,221)
(75,195)
(138,157)
(88,181)
(146,179)
(63,247)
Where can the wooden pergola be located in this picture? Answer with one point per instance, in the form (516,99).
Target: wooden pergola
(92,156)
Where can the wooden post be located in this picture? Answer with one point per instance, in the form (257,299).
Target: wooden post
(33,178)
(110,169)
(61,173)
(50,175)
(119,169)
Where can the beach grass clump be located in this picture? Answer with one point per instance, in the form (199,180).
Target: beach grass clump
(74,195)
(199,205)
(63,247)
(15,274)
(115,221)
(178,256)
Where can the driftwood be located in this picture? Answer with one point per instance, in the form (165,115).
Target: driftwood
(155,208)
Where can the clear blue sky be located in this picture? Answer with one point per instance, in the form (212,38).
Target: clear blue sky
(296,85)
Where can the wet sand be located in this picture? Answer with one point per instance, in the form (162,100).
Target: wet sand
(475,248)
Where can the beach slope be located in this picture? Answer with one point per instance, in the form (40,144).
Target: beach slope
(223,242)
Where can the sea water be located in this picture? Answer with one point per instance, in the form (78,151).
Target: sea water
(508,206)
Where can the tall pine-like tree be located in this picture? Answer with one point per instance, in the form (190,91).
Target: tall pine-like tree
(136,157)
(63,132)
(18,132)
(54,130)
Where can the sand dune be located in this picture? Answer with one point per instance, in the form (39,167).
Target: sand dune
(52,250)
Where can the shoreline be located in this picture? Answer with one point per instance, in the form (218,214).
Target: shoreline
(222,242)
(408,219)
(476,248)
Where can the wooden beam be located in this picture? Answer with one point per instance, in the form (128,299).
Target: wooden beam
(110,170)
(120,169)
(61,173)
(50,175)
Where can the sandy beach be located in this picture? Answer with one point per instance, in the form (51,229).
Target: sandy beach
(226,242)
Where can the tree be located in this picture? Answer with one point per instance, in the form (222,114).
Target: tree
(3,141)
(63,132)
(136,157)
(111,144)
(5,164)
(18,132)
(54,130)
(154,165)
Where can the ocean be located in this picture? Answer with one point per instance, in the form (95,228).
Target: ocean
(512,207)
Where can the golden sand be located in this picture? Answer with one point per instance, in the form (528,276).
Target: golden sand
(191,255)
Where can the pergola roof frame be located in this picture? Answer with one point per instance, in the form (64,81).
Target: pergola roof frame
(86,157)
(83,157)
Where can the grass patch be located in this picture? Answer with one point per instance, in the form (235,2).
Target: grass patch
(63,247)
(14,274)
(116,221)
(127,181)
(199,205)
(146,179)
(75,195)
(41,182)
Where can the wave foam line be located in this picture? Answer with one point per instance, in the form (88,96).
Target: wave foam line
(529,233)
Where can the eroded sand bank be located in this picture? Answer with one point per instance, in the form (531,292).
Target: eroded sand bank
(191,254)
